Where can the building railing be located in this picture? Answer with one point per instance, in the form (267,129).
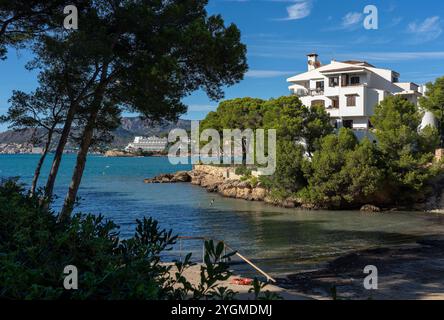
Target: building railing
(308,92)
(226,247)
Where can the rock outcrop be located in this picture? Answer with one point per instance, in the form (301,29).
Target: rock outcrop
(118,153)
(370,208)
(433,200)
(216,179)
(181,176)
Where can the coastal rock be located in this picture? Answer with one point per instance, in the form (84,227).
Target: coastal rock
(118,153)
(370,208)
(218,179)
(162,178)
(229,192)
(243,193)
(285,203)
(243,184)
(181,176)
(196,179)
(434,198)
(211,182)
(258,194)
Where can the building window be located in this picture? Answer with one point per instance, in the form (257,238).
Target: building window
(333,81)
(347,124)
(335,102)
(354,80)
(395,79)
(351,101)
(319,86)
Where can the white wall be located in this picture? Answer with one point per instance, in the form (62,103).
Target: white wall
(372,98)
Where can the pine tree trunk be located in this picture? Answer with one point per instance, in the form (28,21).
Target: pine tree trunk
(79,168)
(41,161)
(244,151)
(59,151)
(87,137)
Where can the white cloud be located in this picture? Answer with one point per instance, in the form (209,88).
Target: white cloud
(427,30)
(298,10)
(351,19)
(267,73)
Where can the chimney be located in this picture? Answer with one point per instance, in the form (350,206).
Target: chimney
(313,62)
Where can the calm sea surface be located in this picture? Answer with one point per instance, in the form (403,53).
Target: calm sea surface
(279,240)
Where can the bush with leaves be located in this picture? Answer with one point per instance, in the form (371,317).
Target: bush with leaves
(407,150)
(343,172)
(434,102)
(35,248)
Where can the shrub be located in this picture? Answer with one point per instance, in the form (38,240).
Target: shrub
(243,171)
(343,172)
(407,151)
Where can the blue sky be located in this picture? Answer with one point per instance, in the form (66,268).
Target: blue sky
(279,33)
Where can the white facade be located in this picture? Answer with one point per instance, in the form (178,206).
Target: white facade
(154,144)
(349,90)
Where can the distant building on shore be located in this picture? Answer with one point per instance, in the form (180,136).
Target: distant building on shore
(19,148)
(148,144)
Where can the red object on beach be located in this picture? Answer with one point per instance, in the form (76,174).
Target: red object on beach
(242,281)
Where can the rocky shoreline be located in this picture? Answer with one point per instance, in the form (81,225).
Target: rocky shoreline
(224,181)
(126,154)
(217,179)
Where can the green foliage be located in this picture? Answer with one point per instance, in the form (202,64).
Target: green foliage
(325,175)
(434,101)
(22,21)
(363,173)
(290,160)
(343,172)
(266,182)
(260,294)
(295,122)
(428,139)
(243,171)
(396,123)
(298,129)
(240,113)
(347,173)
(336,170)
(254,181)
(34,250)
(406,151)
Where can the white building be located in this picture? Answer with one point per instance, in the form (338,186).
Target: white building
(154,144)
(349,90)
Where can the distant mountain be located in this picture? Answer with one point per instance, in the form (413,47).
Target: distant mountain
(129,128)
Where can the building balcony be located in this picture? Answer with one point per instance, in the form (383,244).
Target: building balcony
(308,92)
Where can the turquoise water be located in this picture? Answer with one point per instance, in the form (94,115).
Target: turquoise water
(279,240)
